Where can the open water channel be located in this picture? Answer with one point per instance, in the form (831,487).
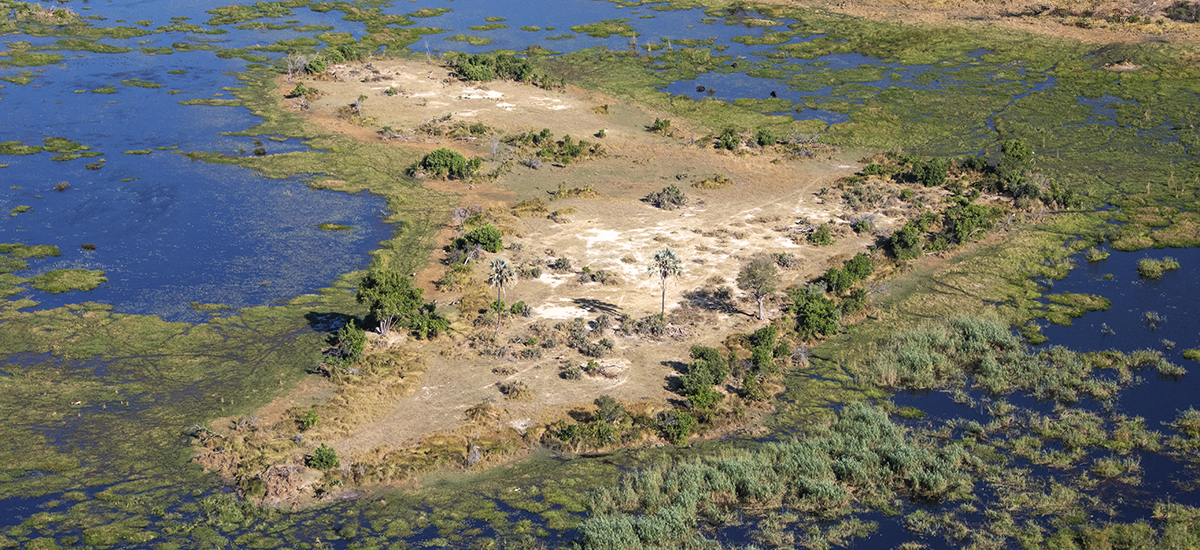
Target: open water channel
(168,231)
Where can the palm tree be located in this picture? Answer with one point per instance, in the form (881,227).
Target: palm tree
(665,263)
(502,275)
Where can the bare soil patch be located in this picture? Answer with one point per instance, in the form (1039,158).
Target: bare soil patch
(769,208)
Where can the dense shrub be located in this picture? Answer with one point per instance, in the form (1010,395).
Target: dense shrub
(765,137)
(906,241)
(931,172)
(823,236)
(485,67)
(729,139)
(487,237)
(316,66)
(349,343)
(815,314)
(323,458)
(443,162)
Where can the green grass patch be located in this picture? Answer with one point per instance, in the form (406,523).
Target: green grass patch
(16,148)
(64,280)
(330,226)
(137,152)
(213,102)
(110,89)
(139,83)
(20,251)
(488,27)
(29,59)
(89,45)
(472,40)
(1152,269)
(606,28)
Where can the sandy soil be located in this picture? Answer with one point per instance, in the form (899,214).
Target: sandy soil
(773,199)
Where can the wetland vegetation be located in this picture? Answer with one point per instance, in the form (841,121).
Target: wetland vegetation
(939,187)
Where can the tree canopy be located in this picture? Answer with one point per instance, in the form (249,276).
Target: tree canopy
(391,297)
(759,277)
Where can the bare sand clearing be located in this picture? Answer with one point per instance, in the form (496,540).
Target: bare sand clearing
(772,200)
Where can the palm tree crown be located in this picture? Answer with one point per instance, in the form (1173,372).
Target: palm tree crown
(665,264)
(502,275)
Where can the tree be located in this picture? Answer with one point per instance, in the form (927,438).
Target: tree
(502,273)
(323,458)
(664,264)
(391,298)
(446,163)
(759,278)
(487,237)
(815,314)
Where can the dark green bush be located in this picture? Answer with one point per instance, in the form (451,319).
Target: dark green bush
(823,236)
(487,237)
(323,458)
(815,314)
(906,242)
(729,139)
(765,137)
(677,426)
(443,162)
(931,172)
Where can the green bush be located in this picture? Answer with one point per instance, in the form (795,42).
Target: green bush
(350,341)
(729,139)
(906,241)
(485,67)
(823,236)
(323,458)
(316,66)
(661,126)
(487,237)
(765,137)
(931,172)
(677,426)
(815,314)
(443,162)
(309,420)
(333,56)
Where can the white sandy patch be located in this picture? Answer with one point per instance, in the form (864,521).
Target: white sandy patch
(601,235)
(506,106)
(475,93)
(427,94)
(549,103)
(559,312)
(465,113)
(786,243)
